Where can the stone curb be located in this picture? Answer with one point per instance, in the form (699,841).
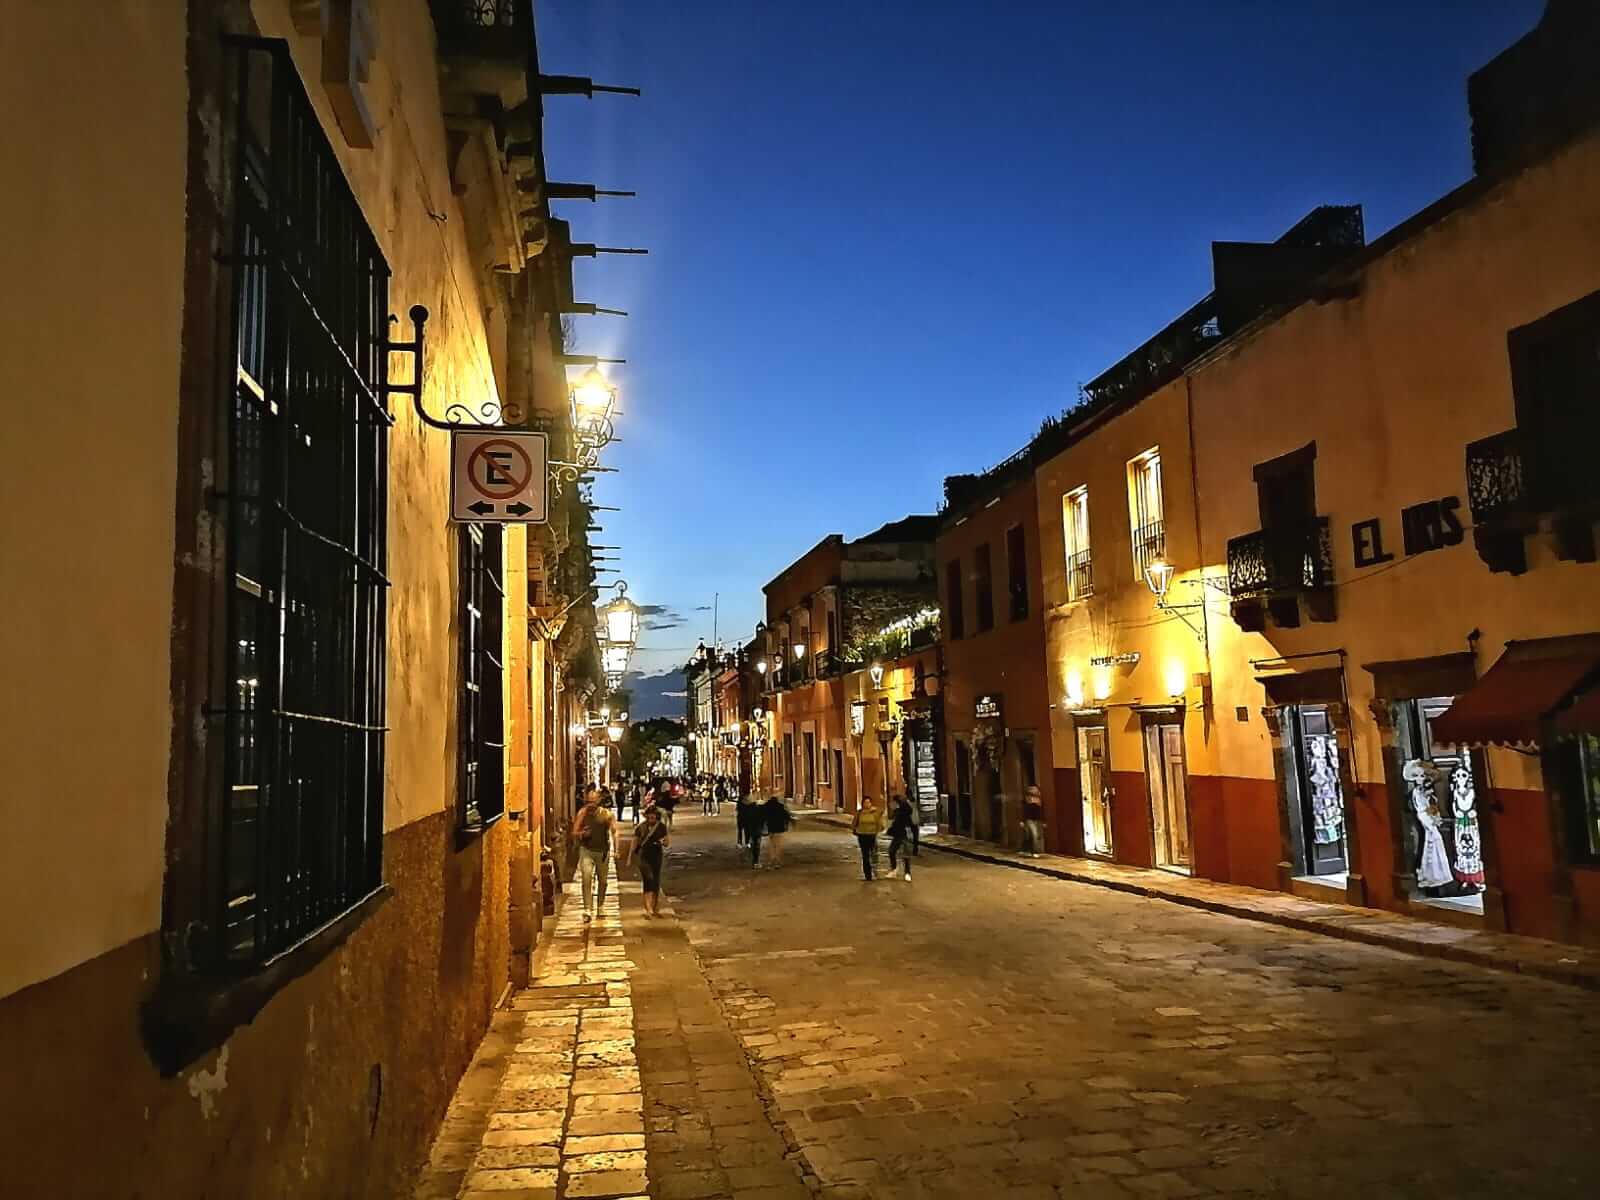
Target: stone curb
(1335,925)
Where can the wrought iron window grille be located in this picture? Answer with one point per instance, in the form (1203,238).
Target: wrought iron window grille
(297,826)
(480,792)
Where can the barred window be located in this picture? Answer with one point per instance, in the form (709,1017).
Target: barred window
(480,794)
(297,830)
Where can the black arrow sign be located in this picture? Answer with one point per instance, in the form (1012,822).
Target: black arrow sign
(482,508)
(519,509)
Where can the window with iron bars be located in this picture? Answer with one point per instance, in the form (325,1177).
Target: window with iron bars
(480,794)
(1075,531)
(298,827)
(1145,511)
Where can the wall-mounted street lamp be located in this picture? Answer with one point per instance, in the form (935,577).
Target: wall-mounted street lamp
(799,651)
(577,729)
(761,666)
(876,671)
(1158,577)
(592,397)
(605,712)
(614,732)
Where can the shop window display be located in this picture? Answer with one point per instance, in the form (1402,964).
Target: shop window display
(1443,840)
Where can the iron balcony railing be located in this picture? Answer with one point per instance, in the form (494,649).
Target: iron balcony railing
(1080,575)
(1281,561)
(1496,484)
(1149,544)
(492,30)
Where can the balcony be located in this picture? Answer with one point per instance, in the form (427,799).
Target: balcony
(1080,575)
(1513,482)
(1271,570)
(485,46)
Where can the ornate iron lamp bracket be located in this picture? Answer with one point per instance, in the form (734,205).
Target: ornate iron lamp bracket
(458,417)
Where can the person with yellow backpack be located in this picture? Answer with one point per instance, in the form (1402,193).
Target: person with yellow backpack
(868,823)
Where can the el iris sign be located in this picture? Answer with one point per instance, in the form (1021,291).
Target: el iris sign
(1431,525)
(987,708)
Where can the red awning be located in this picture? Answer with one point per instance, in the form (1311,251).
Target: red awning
(1507,705)
(1583,716)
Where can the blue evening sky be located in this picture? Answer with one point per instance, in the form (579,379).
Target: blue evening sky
(887,237)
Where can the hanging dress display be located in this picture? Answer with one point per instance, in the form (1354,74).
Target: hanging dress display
(1327,807)
(1433,868)
(1469,850)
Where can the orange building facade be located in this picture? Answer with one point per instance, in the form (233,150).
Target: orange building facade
(996,703)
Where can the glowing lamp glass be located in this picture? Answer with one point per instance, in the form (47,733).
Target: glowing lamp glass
(1158,576)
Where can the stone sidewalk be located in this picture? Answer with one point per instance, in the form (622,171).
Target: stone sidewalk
(1554,961)
(551,1108)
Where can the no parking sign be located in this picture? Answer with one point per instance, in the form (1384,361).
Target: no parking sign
(498,475)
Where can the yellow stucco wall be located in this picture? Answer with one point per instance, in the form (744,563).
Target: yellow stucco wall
(403,188)
(86,472)
(1391,385)
(1121,616)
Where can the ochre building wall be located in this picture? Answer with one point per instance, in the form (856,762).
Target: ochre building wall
(1390,383)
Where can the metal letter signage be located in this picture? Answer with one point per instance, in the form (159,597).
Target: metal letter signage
(1431,525)
(498,475)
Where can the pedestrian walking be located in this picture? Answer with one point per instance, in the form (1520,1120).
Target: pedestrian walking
(741,819)
(651,837)
(755,828)
(902,824)
(593,831)
(1032,821)
(776,818)
(866,826)
(667,802)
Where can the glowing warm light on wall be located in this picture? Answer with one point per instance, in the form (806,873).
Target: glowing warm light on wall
(1102,683)
(1075,689)
(1176,677)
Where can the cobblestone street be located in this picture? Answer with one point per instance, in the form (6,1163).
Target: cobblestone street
(983,1032)
(987,1032)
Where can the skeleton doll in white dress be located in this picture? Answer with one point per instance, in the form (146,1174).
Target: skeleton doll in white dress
(1469,849)
(1434,868)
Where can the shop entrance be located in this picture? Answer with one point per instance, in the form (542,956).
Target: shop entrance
(961,815)
(1169,794)
(1094,781)
(1316,801)
(1441,836)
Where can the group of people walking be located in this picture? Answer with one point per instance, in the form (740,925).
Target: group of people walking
(594,832)
(763,821)
(903,828)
